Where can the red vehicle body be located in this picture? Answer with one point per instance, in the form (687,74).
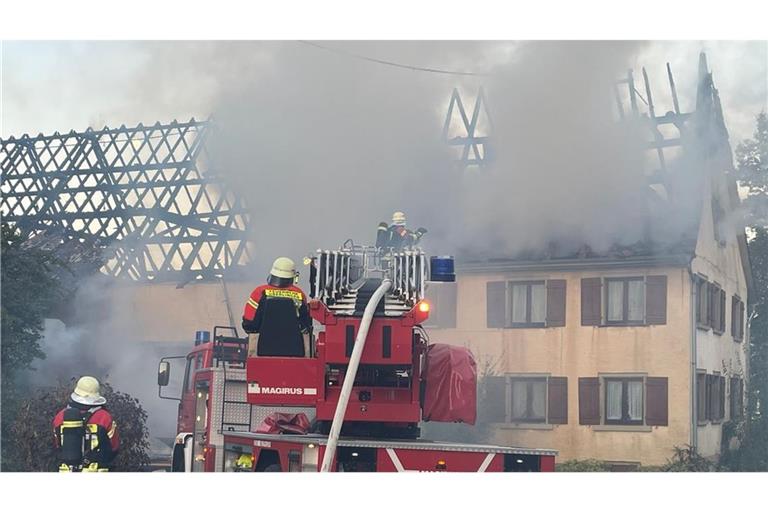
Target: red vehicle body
(226,396)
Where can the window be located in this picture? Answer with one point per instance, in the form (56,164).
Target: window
(625,301)
(524,399)
(623,401)
(716,308)
(737,398)
(525,304)
(627,400)
(710,397)
(188,375)
(528,400)
(737,318)
(716,394)
(528,304)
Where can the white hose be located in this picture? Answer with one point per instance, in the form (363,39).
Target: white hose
(349,377)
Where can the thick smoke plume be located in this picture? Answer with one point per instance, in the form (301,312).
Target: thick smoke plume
(324,146)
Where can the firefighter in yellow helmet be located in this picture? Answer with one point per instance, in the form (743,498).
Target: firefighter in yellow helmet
(280,287)
(85,433)
(397,236)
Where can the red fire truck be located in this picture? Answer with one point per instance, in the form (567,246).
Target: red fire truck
(356,402)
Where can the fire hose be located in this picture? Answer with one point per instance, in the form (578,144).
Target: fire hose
(349,377)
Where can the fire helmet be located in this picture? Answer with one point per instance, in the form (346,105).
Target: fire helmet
(283,268)
(398,219)
(87,392)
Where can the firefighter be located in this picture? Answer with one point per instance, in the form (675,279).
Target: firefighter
(397,236)
(85,434)
(280,285)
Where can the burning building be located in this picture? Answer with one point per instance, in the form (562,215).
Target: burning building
(624,352)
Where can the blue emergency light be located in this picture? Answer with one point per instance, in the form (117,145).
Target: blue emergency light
(202,337)
(441,269)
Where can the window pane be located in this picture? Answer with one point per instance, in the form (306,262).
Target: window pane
(613,399)
(615,300)
(538,303)
(636,306)
(635,396)
(519,292)
(538,401)
(519,398)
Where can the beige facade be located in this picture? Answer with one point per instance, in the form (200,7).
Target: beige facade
(674,351)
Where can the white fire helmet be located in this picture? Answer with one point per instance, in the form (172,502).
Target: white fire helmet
(283,267)
(398,219)
(87,392)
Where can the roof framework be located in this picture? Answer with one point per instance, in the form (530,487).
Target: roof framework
(145,194)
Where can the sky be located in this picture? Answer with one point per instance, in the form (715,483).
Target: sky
(50,86)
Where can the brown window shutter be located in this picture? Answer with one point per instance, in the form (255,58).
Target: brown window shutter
(710,397)
(492,406)
(589,401)
(496,300)
(656,408)
(558,401)
(721,398)
(741,321)
(722,311)
(656,300)
(591,289)
(556,303)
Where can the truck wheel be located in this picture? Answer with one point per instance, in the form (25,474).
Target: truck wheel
(273,468)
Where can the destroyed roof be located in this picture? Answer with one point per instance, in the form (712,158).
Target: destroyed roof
(701,134)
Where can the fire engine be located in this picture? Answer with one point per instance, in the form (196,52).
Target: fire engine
(356,402)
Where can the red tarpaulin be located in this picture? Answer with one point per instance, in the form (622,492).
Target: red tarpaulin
(284,423)
(451,390)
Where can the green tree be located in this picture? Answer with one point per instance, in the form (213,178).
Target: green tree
(30,288)
(752,173)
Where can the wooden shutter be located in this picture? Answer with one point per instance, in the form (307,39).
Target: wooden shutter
(710,397)
(721,320)
(589,401)
(721,397)
(591,289)
(556,303)
(496,303)
(740,328)
(493,404)
(656,405)
(656,300)
(558,401)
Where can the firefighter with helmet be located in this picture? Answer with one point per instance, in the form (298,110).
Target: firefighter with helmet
(85,434)
(280,286)
(398,236)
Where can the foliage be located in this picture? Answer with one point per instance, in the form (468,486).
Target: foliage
(29,289)
(32,434)
(687,459)
(583,465)
(752,172)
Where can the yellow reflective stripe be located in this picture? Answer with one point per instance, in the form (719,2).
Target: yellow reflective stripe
(253,303)
(290,294)
(112,430)
(72,423)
